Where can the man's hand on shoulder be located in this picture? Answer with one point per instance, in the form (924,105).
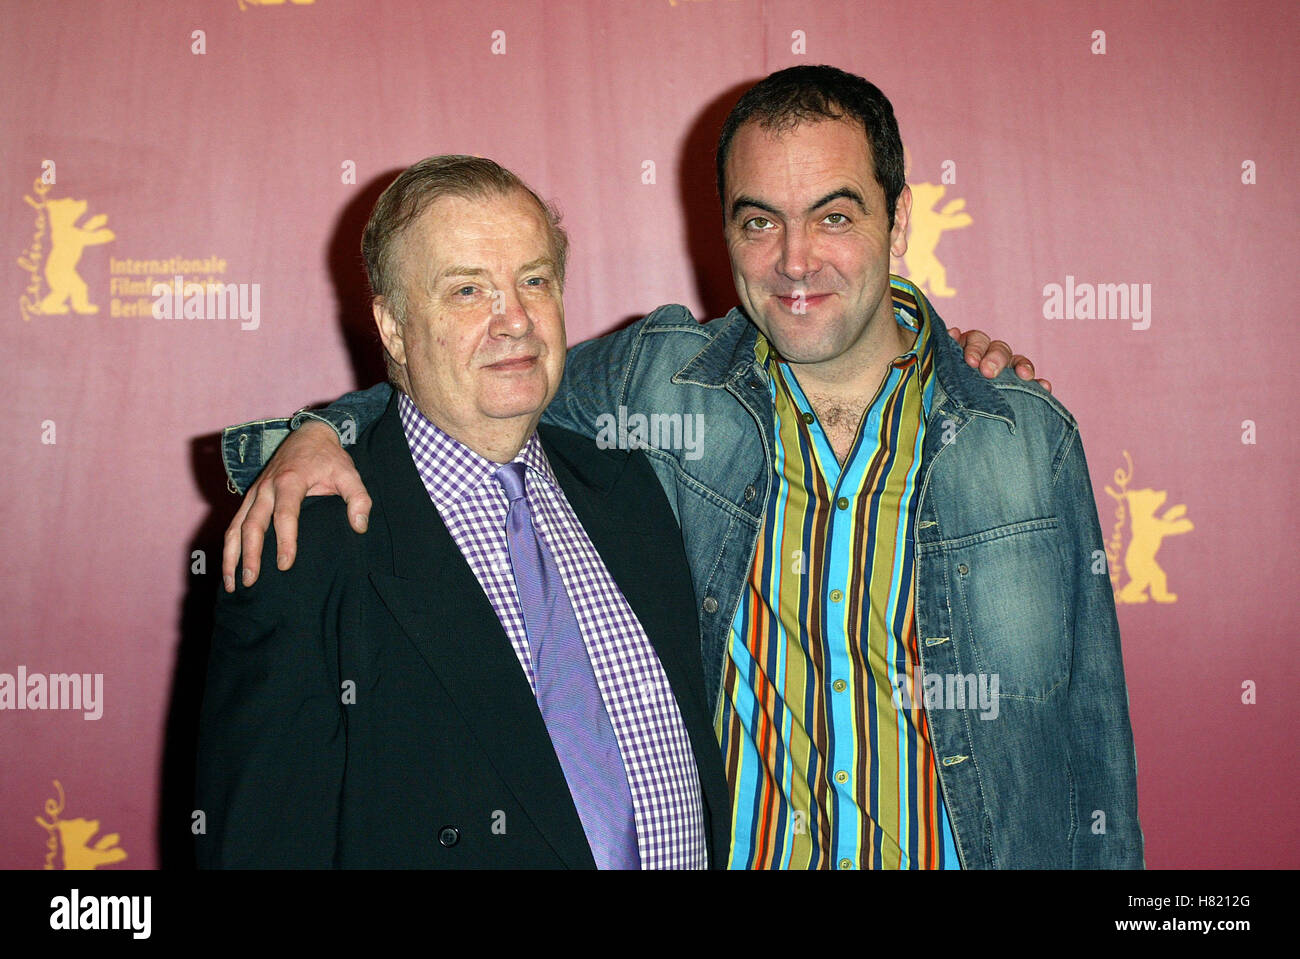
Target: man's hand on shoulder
(309,463)
(990,357)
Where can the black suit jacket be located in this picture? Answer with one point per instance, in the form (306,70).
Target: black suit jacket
(366,709)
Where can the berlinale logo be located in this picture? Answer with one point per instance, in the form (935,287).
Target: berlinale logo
(54,284)
(73,837)
(927,224)
(1148,531)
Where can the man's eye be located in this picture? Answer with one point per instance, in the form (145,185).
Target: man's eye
(757,223)
(535,281)
(836,219)
(466,291)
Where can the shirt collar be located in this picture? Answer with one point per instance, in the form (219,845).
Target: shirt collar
(451,471)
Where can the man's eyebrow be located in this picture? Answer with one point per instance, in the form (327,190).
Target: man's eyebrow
(451,271)
(459,271)
(843,193)
(541,261)
(743,201)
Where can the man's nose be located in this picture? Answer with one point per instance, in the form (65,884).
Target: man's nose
(509,315)
(798,255)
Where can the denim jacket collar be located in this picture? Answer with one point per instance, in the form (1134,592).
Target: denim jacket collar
(726,355)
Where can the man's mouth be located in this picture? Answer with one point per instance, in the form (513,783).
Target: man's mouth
(800,302)
(512,364)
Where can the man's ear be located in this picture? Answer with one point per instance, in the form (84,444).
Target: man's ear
(902,214)
(390,330)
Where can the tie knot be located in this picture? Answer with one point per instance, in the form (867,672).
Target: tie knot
(511,478)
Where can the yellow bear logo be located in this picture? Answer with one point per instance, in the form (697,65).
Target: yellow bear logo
(73,837)
(67,240)
(928,224)
(1148,532)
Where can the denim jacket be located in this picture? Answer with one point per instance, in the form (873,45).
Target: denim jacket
(1011,577)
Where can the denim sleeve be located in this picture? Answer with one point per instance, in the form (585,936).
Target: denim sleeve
(1102,757)
(248,447)
(596,374)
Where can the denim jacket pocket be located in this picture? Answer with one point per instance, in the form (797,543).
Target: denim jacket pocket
(1008,593)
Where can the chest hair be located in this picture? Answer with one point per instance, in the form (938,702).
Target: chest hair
(840,422)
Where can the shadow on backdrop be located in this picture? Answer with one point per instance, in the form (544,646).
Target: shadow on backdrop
(347,271)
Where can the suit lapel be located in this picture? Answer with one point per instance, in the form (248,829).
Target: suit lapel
(439,604)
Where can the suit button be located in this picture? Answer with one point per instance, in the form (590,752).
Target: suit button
(448,836)
(710,604)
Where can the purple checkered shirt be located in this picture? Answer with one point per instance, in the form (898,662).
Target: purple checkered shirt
(657,756)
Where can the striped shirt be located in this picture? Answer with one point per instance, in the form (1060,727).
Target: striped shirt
(657,755)
(829,766)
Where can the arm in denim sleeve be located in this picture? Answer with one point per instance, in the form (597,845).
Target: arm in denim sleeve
(248,447)
(1102,757)
(596,374)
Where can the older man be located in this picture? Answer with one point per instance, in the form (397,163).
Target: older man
(906,624)
(505,671)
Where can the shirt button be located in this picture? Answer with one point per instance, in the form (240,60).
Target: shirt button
(842,502)
(839,685)
(808,417)
(836,596)
(750,493)
(846,863)
(448,836)
(841,777)
(710,604)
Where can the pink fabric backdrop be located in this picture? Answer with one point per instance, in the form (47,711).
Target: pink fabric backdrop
(1162,162)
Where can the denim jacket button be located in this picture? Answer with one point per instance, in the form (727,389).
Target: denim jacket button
(710,604)
(750,493)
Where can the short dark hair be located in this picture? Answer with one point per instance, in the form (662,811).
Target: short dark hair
(783,100)
(406,199)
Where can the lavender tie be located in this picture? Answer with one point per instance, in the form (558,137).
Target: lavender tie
(567,693)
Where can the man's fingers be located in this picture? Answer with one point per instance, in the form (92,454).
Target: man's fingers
(230,546)
(996,359)
(253,531)
(290,492)
(1023,366)
(975,345)
(1045,384)
(354,494)
(954,333)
